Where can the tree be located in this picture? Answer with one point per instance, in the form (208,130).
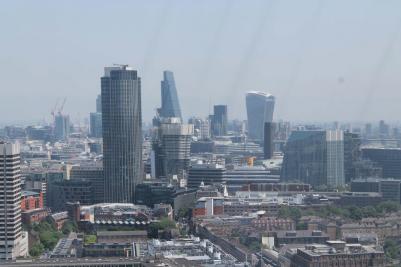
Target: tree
(69,227)
(293,213)
(388,206)
(36,250)
(391,249)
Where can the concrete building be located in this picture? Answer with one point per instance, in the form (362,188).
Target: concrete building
(299,237)
(172,148)
(336,253)
(390,189)
(259,107)
(207,174)
(122,133)
(11,235)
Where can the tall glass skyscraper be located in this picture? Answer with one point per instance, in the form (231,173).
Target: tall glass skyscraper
(122,133)
(62,126)
(259,107)
(219,120)
(170,104)
(315,157)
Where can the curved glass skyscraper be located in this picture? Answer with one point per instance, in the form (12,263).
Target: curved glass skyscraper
(259,107)
(170,104)
(122,133)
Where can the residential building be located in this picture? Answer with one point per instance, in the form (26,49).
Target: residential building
(11,236)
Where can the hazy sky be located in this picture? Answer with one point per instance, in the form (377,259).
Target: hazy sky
(323,60)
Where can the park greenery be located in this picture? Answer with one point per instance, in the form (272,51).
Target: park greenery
(391,249)
(47,236)
(163,225)
(90,239)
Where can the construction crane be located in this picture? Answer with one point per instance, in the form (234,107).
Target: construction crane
(62,106)
(53,111)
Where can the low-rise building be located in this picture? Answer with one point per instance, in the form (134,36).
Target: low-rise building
(335,253)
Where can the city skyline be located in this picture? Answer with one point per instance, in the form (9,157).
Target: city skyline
(293,50)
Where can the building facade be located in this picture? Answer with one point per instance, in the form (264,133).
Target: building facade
(122,133)
(62,127)
(315,157)
(219,120)
(11,236)
(94,174)
(95,120)
(389,159)
(172,148)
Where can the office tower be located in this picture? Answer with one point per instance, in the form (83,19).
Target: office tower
(219,120)
(207,174)
(352,155)
(259,107)
(172,148)
(368,130)
(122,133)
(95,124)
(11,241)
(268,146)
(94,174)
(384,129)
(62,126)
(315,157)
(389,159)
(170,105)
(99,104)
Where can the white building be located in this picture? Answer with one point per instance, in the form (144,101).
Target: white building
(13,242)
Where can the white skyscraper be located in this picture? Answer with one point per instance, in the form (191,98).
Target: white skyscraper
(11,236)
(259,107)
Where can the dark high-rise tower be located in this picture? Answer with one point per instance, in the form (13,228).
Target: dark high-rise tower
(122,133)
(170,104)
(268,140)
(219,120)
